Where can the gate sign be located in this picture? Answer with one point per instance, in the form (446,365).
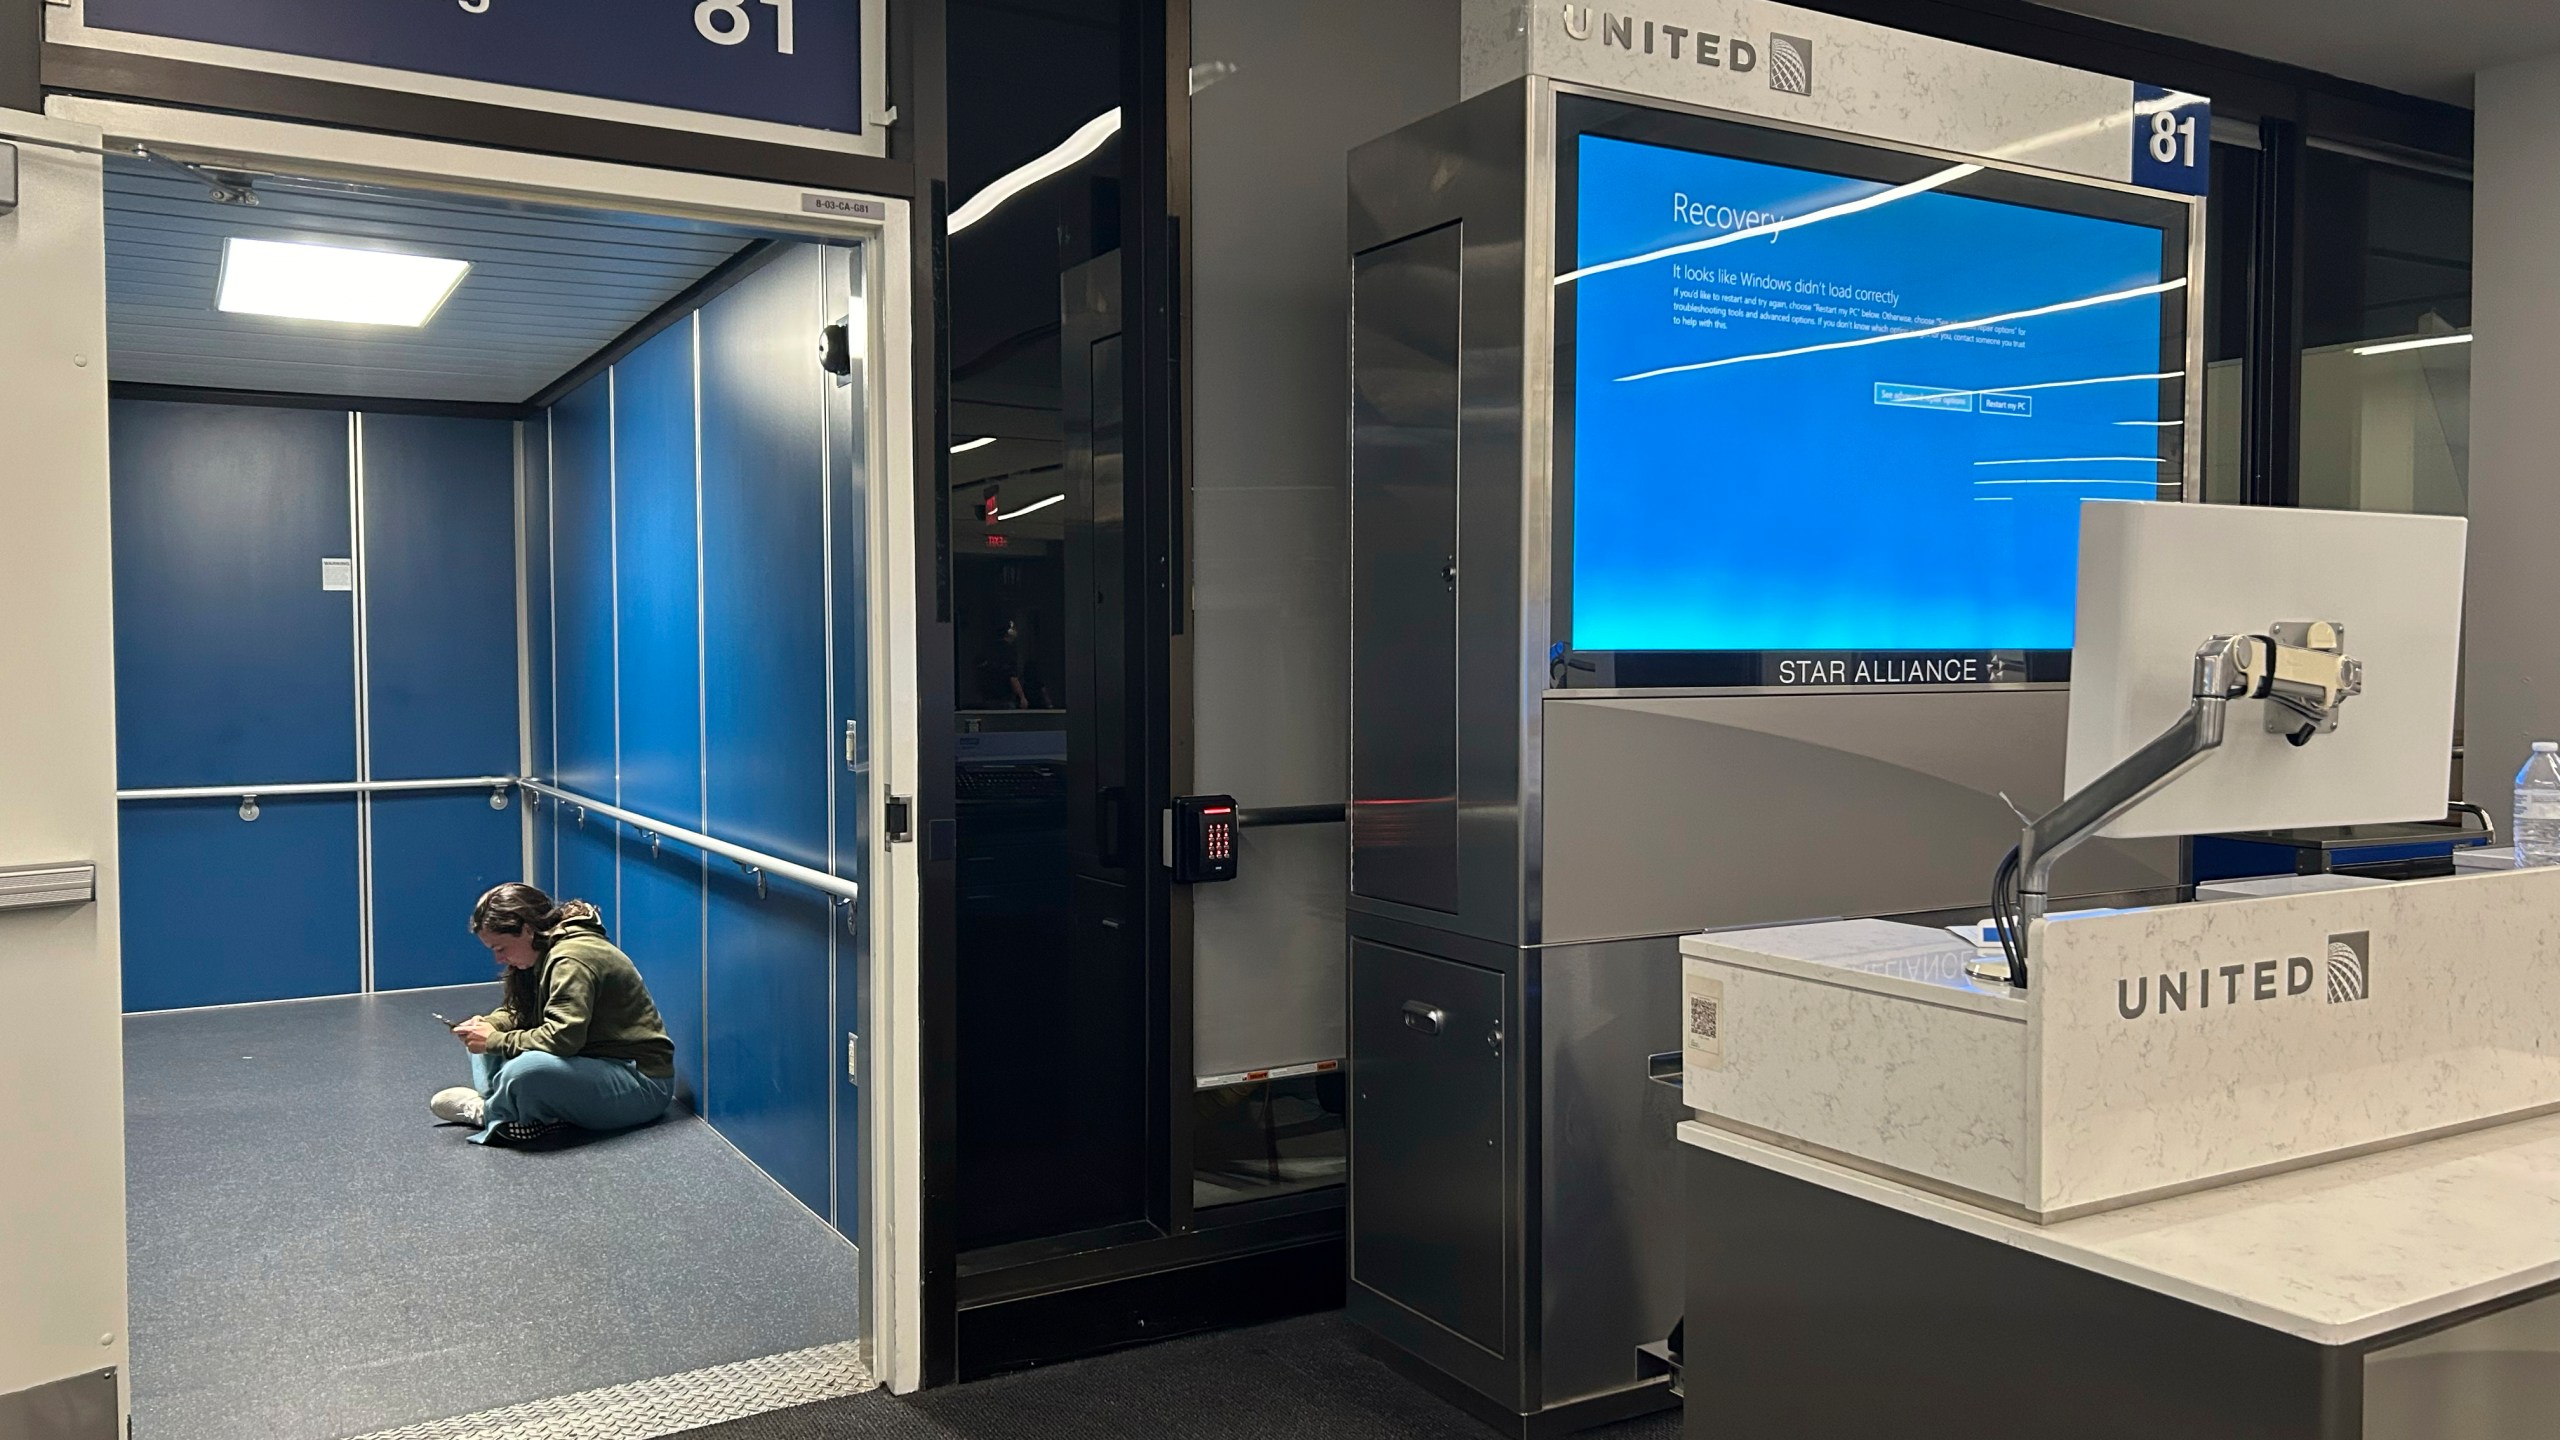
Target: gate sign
(2172,140)
(787,62)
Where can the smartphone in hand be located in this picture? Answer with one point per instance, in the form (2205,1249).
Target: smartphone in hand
(441,1020)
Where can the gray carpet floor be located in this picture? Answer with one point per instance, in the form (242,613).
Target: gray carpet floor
(313,1257)
(1305,1379)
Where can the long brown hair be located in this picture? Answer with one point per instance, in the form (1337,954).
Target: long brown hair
(516,908)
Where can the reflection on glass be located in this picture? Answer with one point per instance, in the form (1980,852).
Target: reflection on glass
(1262,1138)
(2386,419)
(2388,431)
(2229,213)
(1035,91)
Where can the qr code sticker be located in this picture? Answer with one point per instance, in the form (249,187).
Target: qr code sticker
(1705,1040)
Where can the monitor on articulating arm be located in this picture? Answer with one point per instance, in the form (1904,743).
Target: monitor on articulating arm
(2249,669)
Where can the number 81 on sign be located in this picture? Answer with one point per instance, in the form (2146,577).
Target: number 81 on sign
(727,22)
(2172,140)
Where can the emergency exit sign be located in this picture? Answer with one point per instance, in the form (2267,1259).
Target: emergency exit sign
(787,62)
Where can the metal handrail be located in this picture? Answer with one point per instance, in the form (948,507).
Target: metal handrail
(755,862)
(325,787)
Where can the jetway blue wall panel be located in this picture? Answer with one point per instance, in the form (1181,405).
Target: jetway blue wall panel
(662,933)
(589,865)
(440,595)
(763,559)
(656,598)
(534,459)
(233,666)
(849,496)
(686,653)
(222,912)
(768,755)
(435,852)
(583,583)
(582,560)
(770,1050)
(661,685)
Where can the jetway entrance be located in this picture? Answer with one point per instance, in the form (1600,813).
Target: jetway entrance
(576,580)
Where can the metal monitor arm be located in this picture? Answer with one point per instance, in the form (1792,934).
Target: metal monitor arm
(2300,668)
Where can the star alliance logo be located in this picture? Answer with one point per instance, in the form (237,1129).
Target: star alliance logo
(1791,64)
(2350,967)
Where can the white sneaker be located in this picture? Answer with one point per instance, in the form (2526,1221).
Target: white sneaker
(460,1105)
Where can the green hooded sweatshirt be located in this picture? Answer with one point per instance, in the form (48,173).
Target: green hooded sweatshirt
(593,1003)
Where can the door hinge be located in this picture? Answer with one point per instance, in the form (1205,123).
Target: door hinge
(898,822)
(852,1058)
(853,744)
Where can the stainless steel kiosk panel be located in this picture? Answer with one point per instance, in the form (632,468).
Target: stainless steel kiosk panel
(1405,339)
(1528,842)
(1771,808)
(1433,1032)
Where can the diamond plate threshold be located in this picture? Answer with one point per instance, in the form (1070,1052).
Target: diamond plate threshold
(668,1405)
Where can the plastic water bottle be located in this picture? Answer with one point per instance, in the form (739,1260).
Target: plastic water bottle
(2538,807)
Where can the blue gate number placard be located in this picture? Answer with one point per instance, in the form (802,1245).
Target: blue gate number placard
(791,62)
(2172,140)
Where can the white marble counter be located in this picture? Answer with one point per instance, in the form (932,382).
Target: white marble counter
(2155,1051)
(1915,962)
(2193,1044)
(2334,1254)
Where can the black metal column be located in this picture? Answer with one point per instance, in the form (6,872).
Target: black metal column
(2271,417)
(1156,151)
(919,86)
(1165,1270)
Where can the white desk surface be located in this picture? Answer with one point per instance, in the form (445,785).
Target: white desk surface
(2334,1254)
(1916,962)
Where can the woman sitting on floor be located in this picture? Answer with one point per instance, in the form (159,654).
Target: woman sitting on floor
(577,1042)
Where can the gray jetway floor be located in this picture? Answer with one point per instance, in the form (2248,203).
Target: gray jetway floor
(313,1257)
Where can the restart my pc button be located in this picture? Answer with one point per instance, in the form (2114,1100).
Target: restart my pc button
(1995,403)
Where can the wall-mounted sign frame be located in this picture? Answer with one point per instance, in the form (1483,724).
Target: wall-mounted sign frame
(806,73)
(1789,65)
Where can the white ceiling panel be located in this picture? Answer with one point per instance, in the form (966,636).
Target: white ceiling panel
(548,287)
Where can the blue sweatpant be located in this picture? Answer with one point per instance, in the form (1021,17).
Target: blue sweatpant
(539,1088)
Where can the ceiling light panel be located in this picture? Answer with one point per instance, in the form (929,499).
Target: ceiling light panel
(301,281)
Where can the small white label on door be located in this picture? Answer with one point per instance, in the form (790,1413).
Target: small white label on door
(843,206)
(337,573)
(1703,1037)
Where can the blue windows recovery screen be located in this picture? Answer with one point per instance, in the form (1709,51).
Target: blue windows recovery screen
(1868,431)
